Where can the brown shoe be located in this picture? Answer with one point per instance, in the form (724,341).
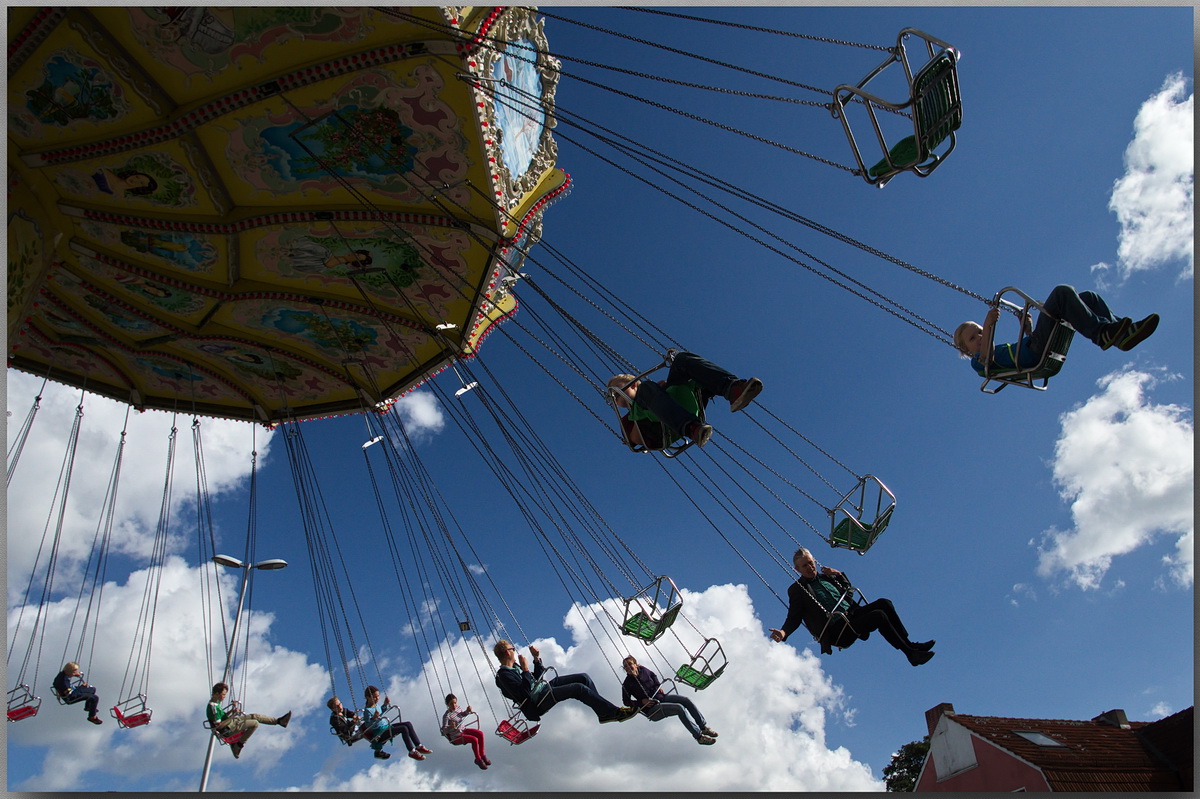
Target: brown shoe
(743,392)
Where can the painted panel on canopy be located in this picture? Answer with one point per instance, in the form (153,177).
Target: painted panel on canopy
(174,304)
(393,133)
(67,92)
(100,309)
(171,252)
(199,51)
(37,348)
(327,335)
(267,374)
(160,179)
(426,271)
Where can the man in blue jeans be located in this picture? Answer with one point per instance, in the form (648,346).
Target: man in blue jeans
(641,690)
(535,697)
(672,403)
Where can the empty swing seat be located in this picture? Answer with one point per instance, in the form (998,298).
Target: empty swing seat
(647,615)
(22,704)
(132,712)
(934,105)
(700,672)
(862,521)
(517,733)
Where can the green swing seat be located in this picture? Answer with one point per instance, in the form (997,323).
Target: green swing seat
(697,679)
(642,626)
(859,536)
(648,615)
(861,524)
(936,110)
(699,672)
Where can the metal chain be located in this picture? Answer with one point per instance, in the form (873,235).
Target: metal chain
(743,26)
(677,51)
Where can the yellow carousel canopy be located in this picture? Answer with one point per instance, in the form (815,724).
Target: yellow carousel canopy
(269,212)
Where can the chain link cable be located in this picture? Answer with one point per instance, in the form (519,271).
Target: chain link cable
(743,26)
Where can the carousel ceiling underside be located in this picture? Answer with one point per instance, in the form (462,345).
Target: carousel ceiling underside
(268,213)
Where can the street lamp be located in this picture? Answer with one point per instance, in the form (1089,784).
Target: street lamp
(271,564)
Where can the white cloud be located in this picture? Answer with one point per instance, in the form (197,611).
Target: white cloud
(1154,200)
(1161,710)
(778,710)
(421,414)
(1125,466)
(227,447)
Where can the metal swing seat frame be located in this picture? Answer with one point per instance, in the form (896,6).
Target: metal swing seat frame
(1050,361)
(847,595)
(669,449)
(353,737)
(648,616)
(384,715)
(703,676)
(232,711)
(515,729)
(22,703)
(662,688)
(131,713)
(848,530)
(66,698)
(933,96)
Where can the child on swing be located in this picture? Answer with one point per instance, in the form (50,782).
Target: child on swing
(672,404)
(1086,311)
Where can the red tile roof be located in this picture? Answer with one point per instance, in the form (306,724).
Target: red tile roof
(1098,756)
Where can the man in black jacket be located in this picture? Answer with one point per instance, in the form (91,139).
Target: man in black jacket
(815,598)
(536,697)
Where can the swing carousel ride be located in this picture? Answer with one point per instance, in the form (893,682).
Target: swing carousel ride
(279,214)
(266,213)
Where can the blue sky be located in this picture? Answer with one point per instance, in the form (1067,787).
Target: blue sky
(1036,534)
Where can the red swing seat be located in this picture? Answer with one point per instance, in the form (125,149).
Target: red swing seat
(140,715)
(517,733)
(22,704)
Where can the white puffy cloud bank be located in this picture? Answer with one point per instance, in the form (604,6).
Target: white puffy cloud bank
(1125,465)
(1155,199)
(771,719)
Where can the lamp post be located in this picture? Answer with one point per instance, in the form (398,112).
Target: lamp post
(234,563)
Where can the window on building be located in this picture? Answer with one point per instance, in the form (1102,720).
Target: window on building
(1038,738)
